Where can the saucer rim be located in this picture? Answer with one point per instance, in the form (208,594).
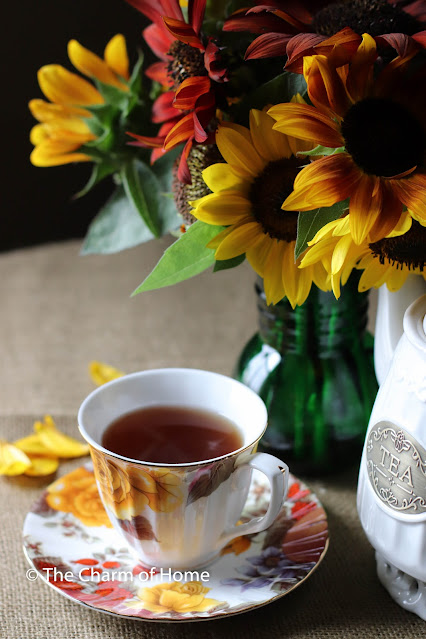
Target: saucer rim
(195,618)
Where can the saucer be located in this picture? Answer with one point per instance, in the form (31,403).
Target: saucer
(71,545)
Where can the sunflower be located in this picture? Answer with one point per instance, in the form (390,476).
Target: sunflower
(377,125)
(390,261)
(303,27)
(190,72)
(62,132)
(247,193)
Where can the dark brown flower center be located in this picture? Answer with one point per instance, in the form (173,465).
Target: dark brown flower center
(200,157)
(408,249)
(268,191)
(186,62)
(365,16)
(383,137)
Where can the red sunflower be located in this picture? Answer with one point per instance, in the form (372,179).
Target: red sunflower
(190,70)
(298,28)
(377,125)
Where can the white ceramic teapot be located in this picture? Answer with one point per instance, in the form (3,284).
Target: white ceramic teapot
(392,482)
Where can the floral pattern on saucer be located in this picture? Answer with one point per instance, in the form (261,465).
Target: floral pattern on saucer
(95,567)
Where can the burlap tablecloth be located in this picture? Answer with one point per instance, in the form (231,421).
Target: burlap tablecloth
(59,311)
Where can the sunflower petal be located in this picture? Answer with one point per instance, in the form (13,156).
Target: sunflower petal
(270,144)
(227,207)
(303,279)
(364,208)
(325,87)
(340,253)
(396,278)
(306,122)
(411,192)
(323,183)
(189,91)
(101,373)
(38,134)
(272,277)
(290,273)
(217,239)
(267,45)
(92,65)
(13,461)
(32,445)
(183,32)
(374,274)
(404,225)
(115,55)
(56,152)
(219,177)
(258,255)
(42,466)
(239,152)
(60,444)
(45,111)
(242,238)
(63,87)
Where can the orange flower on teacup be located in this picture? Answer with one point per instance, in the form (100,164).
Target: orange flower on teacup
(175,597)
(127,491)
(78,494)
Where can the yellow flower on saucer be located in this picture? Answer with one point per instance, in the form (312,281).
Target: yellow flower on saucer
(386,261)
(128,490)
(247,194)
(175,597)
(63,128)
(78,494)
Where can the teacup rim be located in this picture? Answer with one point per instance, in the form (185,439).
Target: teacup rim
(99,448)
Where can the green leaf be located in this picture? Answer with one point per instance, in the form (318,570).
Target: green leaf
(135,82)
(186,257)
(103,117)
(116,227)
(324,150)
(142,189)
(310,222)
(113,95)
(222,265)
(279,89)
(99,172)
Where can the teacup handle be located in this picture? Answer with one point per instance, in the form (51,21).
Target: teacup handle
(277,473)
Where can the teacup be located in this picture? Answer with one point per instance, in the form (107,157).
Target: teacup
(180,516)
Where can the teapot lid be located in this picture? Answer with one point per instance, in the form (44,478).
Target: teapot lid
(415,323)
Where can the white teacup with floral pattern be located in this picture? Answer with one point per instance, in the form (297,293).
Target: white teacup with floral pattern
(180,516)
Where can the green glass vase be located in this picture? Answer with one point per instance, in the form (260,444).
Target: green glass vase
(313,367)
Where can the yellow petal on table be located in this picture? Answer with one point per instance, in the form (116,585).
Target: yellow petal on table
(42,466)
(102,373)
(60,444)
(32,445)
(13,461)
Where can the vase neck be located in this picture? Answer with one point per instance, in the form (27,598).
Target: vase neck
(322,323)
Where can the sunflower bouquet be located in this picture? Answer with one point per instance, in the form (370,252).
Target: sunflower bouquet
(291,134)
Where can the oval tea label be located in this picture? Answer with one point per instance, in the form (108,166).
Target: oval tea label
(396,466)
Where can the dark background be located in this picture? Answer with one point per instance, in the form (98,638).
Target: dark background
(37,203)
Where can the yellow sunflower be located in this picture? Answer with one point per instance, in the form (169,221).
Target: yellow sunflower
(63,129)
(380,120)
(389,260)
(247,193)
